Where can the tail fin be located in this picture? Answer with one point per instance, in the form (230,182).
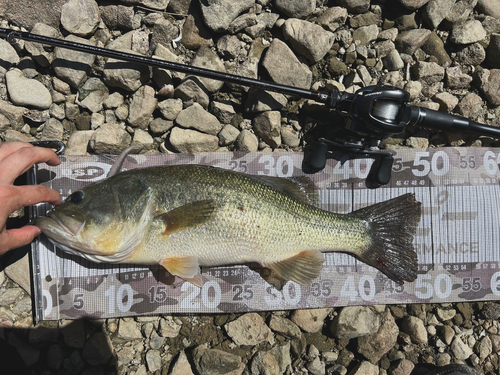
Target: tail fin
(392,227)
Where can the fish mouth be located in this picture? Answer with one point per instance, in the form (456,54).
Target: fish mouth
(69,221)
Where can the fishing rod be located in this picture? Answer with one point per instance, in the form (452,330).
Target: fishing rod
(372,113)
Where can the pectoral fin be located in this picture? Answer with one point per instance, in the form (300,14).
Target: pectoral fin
(302,268)
(185,267)
(187,216)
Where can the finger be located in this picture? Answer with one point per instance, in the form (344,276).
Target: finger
(8,148)
(22,159)
(14,238)
(22,196)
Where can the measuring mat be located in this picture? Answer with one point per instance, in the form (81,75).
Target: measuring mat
(457,241)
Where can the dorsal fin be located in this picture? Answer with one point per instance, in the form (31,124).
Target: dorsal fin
(300,187)
(117,166)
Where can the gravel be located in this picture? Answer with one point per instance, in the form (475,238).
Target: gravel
(443,52)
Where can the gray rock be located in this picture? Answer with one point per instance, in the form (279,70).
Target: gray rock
(403,367)
(73,333)
(393,61)
(316,366)
(159,126)
(290,137)
(284,327)
(460,350)
(78,142)
(163,32)
(19,272)
(332,18)
(493,51)
(295,8)
(436,11)
(415,328)
(10,296)
(460,12)
(142,106)
(128,76)
(310,320)
(229,46)
(355,6)
(80,17)
(53,130)
(223,110)
(365,34)
(154,4)
(247,141)
(195,117)
(428,72)
(207,59)
(375,345)
(447,102)
(72,66)
(308,39)
(434,46)
(408,41)
(218,14)
(27,92)
(355,321)
(267,126)
(249,329)
(490,84)
(24,13)
(114,100)
(190,91)
(248,68)
(191,141)
(9,56)
(242,22)
(469,106)
(118,16)
(228,135)
(98,350)
(413,4)
(282,355)
(473,54)
(260,101)
(93,94)
(110,139)
(489,7)
(365,368)
(15,136)
(153,360)
(264,363)
(467,32)
(74,364)
(181,366)
(43,55)
(142,139)
(128,330)
(216,362)
(169,326)
(170,108)
(55,357)
(284,67)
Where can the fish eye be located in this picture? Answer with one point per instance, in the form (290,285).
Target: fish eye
(76,197)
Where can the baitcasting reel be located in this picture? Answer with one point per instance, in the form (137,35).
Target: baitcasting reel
(374,113)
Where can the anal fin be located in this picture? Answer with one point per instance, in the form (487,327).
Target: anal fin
(185,267)
(302,268)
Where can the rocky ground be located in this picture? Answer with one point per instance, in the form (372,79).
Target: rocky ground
(445,53)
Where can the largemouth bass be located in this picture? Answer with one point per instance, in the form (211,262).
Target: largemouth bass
(187,216)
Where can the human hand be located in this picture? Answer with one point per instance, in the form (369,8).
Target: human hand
(15,159)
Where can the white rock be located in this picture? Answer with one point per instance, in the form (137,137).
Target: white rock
(80,17)
(249,329)
(27,92)
(195,117)
(310,320)
(460,350)
(189,141)
(355,321)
